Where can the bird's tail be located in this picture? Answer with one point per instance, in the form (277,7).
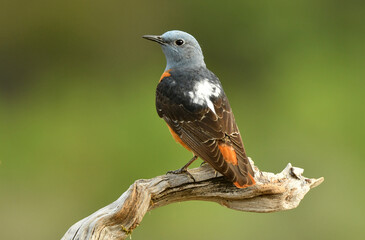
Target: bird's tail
(245,174)
(241,172)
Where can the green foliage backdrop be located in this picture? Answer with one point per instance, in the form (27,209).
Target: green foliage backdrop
(78,122)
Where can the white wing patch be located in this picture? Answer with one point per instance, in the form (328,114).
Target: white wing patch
(203,90)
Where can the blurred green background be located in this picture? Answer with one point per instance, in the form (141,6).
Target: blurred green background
(78,122)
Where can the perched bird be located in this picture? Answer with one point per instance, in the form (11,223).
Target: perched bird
(191,100)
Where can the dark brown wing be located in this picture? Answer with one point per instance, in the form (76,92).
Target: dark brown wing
(214,137)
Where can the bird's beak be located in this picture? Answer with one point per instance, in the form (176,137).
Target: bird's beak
(154,38)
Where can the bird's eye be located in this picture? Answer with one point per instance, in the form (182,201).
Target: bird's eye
(179,42)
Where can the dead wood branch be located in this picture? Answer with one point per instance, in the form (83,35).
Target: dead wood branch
(273,192)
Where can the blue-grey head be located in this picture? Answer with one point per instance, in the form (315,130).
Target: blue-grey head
(180,48)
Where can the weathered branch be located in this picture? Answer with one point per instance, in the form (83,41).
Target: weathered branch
(273,192)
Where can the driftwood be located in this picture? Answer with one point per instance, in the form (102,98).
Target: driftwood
(273,192)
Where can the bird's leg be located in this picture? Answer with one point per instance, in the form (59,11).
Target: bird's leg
(184,169)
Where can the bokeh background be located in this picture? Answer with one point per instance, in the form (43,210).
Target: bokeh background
(78,122)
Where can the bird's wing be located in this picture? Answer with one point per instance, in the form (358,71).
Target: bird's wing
(213,136)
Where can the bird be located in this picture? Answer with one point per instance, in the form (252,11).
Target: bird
(191,100)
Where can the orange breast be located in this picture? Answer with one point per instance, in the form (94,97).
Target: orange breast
(178,139)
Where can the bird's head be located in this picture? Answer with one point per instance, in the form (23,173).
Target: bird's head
(180,48)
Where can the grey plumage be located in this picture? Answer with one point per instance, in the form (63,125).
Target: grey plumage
(191,100)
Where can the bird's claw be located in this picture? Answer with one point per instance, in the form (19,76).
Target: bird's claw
(178,171)
(181,171)
(203,163)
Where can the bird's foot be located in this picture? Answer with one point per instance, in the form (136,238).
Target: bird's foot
(178,171)
(181,171)
(215,172)
(203,163)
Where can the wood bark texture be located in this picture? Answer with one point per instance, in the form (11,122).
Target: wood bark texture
(272,193)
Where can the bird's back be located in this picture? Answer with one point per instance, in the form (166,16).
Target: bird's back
(194,105)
